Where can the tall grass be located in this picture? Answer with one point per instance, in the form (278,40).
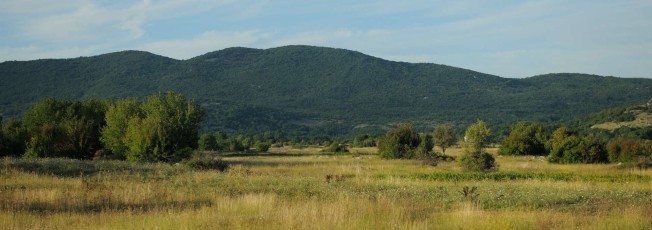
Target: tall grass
(283,192)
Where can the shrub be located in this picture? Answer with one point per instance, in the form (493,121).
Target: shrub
(336,148)
(525,139)
(424,151)
(644,162)
(399,143)
(208,142)
(628,150)
(206,162)
(474,157)
(234,145)
(363,140)
(261,146)
(12,138)
(569,148)
(478,162)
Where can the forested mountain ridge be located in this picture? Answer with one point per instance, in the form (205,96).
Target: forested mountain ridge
(305,89)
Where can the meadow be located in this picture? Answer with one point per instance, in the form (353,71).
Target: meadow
(304,189)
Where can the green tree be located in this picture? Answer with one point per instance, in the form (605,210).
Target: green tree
(593,150)
(262,146)
(475,158)
(64,128)
(398,143)
(162,128)
(563,145)
(363,140)
(208,142)
(424,150)
(569,148)
(444,137)
(222,140)
(117,118)
(43,142)
(233,144)
(525,139)
(13,137)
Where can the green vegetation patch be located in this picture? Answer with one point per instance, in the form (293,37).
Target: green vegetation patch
(511,176)
(63,167)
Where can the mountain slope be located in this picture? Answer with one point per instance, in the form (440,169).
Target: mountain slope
(629,121)
(306,89)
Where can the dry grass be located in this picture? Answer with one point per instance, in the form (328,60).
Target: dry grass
(291,150)
(642,120)
(292,192)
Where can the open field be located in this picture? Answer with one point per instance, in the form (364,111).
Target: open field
(305,190)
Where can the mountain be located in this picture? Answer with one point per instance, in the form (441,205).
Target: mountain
(317,90)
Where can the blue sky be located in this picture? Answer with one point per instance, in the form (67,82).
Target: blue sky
(505,38)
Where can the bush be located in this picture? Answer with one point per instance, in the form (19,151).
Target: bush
(478,162)
(208,142)
(399,143)
(568,148)
(424,151)
(12,138)
(475,158)
(206,162)
(234,145)
(336,148)
(644,162)
(261,146)
(525,139)
(628,150)
(364,140)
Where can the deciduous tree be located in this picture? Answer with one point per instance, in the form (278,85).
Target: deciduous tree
(444,137)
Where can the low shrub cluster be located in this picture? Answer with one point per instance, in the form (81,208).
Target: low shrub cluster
(205,161)
(336,148)
(628,150)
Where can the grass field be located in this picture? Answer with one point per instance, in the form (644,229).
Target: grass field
(302,189)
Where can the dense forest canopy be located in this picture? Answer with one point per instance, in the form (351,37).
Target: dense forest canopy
(304,90)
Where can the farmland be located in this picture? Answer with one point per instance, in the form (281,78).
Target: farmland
(305,189)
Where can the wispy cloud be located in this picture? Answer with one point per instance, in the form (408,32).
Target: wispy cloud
(88,21)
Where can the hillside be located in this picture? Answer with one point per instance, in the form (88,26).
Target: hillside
(316,90)
(631,121)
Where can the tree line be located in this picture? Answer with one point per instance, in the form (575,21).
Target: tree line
(562,146)
(162,127)
(165,126)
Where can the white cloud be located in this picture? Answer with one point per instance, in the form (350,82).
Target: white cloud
(206,42)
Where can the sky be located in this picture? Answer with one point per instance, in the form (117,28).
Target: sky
(513,39)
